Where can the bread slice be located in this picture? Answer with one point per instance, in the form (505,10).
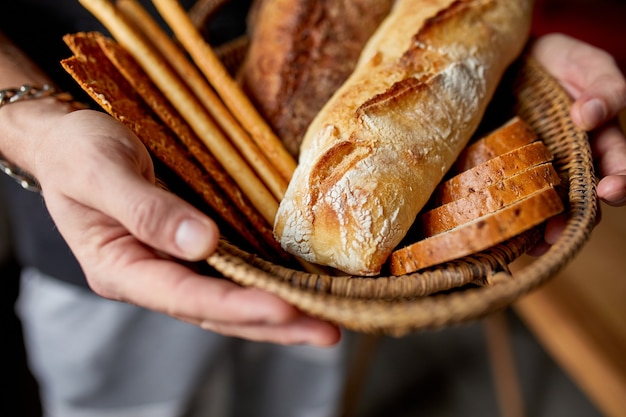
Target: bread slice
(478,235)
(487,200)
(512,135)
(491,172)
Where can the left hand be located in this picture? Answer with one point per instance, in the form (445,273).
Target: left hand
(598,88)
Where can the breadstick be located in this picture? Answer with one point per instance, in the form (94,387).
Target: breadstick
(225,85)
(203,10)
(266,171)
(177,93)
(109,89)
(141,83)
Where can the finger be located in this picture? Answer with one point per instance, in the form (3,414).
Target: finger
(220,305)
(118,266)
(228,309)
(169,287)
(600,102)
(612,190)
(601,85)
(554,228)
(552,231)
(609,146)
(539,249)
(303,331)
(158,218)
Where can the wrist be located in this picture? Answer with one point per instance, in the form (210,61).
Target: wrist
(24,112)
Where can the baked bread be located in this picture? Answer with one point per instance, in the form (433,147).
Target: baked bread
(487,200)
(512,135)
(479,234)
(503,191)
(125,96)
(491,172)
(300,52)
(373,156)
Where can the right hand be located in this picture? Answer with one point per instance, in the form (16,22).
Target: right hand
(98,184)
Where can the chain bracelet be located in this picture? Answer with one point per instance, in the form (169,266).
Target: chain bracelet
(27,92)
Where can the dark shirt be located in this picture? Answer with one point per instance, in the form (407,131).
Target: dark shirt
(37,27)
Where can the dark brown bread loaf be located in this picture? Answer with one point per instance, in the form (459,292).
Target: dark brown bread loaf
(300,52)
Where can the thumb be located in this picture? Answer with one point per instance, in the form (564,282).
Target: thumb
(600,102)
(162,220)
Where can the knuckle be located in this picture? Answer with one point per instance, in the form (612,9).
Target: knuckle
(145,217)
(620,91)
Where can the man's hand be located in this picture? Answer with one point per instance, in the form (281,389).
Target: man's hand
(98,184)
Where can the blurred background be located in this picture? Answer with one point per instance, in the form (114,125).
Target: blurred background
(567,339)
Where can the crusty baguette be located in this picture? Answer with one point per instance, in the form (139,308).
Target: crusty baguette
(513,134)
(300,52)
(478,235)
(492,171)
(373,156)
(487,200)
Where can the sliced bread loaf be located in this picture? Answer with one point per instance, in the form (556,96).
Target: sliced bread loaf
(480,234)
(502,185)
(512,135)
(487,200)
(492,171)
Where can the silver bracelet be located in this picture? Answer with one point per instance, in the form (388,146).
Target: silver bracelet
(29,92)
(27,181)
(13,95)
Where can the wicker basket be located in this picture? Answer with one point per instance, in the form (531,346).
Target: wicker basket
(468,288)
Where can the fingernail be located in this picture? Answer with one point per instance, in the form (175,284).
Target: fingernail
(593,113)
(193,238)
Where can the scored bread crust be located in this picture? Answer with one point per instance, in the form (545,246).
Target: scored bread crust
(374,154)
